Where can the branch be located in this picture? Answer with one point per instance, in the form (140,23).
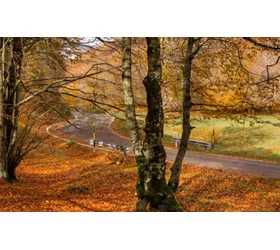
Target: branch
(87,99)
(261,44)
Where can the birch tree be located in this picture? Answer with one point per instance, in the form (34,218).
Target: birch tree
(131,118)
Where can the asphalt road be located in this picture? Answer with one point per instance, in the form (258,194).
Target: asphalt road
(82,129)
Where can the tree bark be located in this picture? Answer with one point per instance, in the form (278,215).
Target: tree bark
(11,113)
(186,127)
(157,193)
(3,169)
(131,118)
(10,72)
(129,97)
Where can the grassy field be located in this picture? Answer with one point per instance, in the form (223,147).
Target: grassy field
(245,138)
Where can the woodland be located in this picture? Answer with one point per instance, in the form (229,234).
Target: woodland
(223,90)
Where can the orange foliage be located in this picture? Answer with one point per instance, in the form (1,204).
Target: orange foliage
(70,178)
(61,177)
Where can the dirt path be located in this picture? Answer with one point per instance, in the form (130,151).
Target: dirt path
(83,131)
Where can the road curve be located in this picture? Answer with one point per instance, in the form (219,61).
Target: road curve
(82,130)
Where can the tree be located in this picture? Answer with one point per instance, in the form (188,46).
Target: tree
(11,70)
(28,96)
(152,173)
(132,120)
(3,171)
(186,106)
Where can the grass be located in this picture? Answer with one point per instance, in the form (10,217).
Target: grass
(257,139)
(84,189)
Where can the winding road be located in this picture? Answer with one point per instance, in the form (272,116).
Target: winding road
(82,130)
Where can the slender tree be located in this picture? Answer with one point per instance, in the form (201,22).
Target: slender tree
(186,127)
(131,118)
(3,170)
(129,97)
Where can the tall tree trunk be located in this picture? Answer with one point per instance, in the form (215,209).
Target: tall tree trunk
(129,98)
(3,169)
(157,193)
(12,113)
(176,168)
(11,71)
(131,118)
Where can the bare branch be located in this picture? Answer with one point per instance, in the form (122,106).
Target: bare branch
(261,44)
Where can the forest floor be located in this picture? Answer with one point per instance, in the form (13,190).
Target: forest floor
(61,176)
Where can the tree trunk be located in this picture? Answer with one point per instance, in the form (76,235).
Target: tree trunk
(176,168)
(129,98)
(131,118)
(11,173)
(157,193)
(3,169)
(10,72)
(12,113)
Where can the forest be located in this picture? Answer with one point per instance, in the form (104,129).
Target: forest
(166,124)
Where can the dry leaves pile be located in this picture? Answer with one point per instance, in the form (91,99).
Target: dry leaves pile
(65,177)
(61,177)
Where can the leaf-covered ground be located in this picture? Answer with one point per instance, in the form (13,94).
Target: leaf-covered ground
(68,177)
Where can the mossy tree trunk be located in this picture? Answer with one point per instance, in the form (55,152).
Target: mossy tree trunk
(186,127)
(156,192)
(131,117)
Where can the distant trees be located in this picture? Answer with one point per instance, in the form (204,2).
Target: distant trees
(265,95)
